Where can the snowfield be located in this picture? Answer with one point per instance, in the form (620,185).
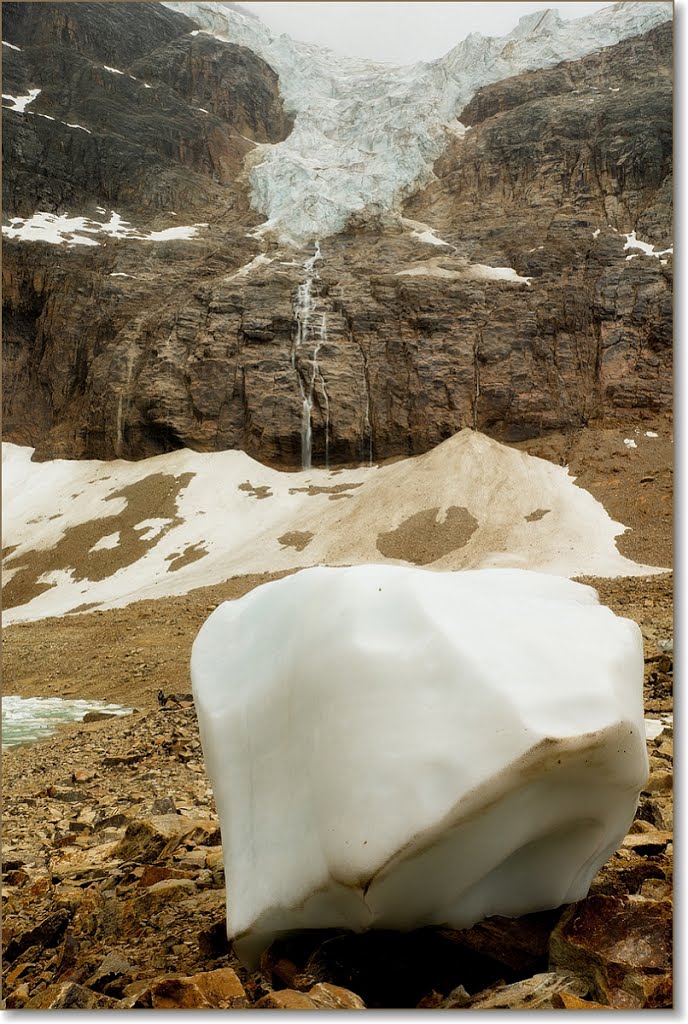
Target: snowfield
(104,534)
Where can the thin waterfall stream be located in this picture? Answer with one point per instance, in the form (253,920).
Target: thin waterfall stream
(311,332)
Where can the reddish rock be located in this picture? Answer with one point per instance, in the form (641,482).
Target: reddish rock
(621,945)
(153,873)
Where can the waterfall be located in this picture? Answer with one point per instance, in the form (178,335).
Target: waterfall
(311,331)
(124,393)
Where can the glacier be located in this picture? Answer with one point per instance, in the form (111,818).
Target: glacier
(391,747)
(366,134)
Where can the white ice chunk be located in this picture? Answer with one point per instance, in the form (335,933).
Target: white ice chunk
(106,543)
(21,102)
(651,433)
(630,443)
(391,747)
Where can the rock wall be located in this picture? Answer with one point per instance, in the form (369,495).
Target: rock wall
(131,348)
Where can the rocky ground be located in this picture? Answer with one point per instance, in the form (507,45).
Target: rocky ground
(113,891)
(113,896)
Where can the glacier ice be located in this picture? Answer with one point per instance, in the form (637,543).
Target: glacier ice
(366,134)
(393,747)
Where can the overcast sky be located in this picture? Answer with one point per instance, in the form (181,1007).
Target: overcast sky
(402,32)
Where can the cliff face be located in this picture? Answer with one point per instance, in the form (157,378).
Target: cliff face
(526,307)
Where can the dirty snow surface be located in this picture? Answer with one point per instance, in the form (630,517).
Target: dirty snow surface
(366,134)
(186,519)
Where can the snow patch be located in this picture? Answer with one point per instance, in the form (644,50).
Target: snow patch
(595,233)
(424,233)
(463,271)
(630,443)
(80,126)
(11,46)
(651,433)
(21,102)
(632,242)
(61,228)
(150,528)
(111,540)
(480,272)
(114,71)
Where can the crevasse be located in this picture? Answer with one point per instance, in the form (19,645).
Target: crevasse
(366,134)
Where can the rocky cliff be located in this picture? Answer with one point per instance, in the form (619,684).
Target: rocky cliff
(525,285)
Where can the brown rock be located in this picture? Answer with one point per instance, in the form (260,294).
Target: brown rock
(147,839)
(69,996)
(44,935)
(660,782)
(536,993)
(287,999)
(18,998)
(177,994)
(114,966)
(621,946)
(333,997)
(213,942)
(169,890)
(567,1001)
(222,988)
(153,873)
(519,944)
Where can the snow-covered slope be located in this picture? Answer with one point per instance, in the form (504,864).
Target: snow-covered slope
(366,134)
(104,534)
